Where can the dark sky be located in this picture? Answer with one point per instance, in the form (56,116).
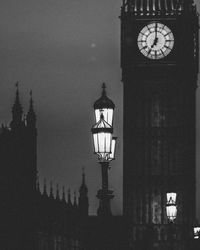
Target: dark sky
(63,51)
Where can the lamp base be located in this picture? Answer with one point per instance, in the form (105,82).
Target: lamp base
(104,197)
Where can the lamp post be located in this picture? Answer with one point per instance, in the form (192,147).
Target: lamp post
(104,147)
(171,210)
(196,235)
(196,231)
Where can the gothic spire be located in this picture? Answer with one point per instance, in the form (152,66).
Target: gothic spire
(83,176)
(83,188)
(83,197)
(63,194)
(69,198)
(75,202)
(31,116)
(37,184)
(16,110)
(45,188)
(51,190)
(57,193)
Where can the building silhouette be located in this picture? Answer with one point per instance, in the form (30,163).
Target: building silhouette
(159,60)
(30,218)
(35,219)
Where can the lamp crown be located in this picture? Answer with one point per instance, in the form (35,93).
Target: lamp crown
(104,101)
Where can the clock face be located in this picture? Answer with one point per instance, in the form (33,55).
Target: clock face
(155,41)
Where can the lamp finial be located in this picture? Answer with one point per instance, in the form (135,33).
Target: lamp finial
(103,88)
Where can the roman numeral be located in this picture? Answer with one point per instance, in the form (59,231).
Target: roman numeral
(168,33)
(167,47)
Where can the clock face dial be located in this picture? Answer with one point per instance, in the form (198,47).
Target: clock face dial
(155,41)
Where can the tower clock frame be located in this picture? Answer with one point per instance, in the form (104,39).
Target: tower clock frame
(159,118)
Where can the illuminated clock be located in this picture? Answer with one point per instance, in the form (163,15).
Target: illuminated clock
(155,41)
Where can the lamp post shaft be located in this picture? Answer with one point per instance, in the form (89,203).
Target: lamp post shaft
(104,194)
(171,235)
(104,172)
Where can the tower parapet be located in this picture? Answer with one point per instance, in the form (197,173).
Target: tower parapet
(157,7)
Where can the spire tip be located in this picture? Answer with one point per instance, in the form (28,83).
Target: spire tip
(17,84)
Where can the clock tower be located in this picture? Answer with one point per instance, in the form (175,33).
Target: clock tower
(159,61)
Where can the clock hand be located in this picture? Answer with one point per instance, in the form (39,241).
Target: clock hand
(156,36)
(154,42)
(156,29)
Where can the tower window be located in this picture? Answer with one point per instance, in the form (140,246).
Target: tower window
(157,115)
(156,156)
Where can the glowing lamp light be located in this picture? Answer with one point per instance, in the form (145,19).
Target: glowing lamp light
(113,146)
(171,198)
(171,207)
(107,113)
(102,139)
(196,232)
(104,106)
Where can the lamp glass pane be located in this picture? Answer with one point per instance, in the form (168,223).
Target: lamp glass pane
(101,142)
(95,141)
(112,155)
(171,212)
(108,142)
(107,114)
(171,198)
(104,142)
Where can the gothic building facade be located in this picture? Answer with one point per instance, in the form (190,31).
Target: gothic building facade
(35,219)
(31,219)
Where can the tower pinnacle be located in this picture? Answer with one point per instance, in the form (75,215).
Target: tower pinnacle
(75,202)
(63,194)
(83,188)
(57,193)
(51,190)
(31,116)
(16,110)
(83,196)
(45,188)
(69,198)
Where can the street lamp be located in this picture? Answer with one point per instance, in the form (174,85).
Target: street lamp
(171,207)
(196,236)
(196,232)
(104,147)
(171,210)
